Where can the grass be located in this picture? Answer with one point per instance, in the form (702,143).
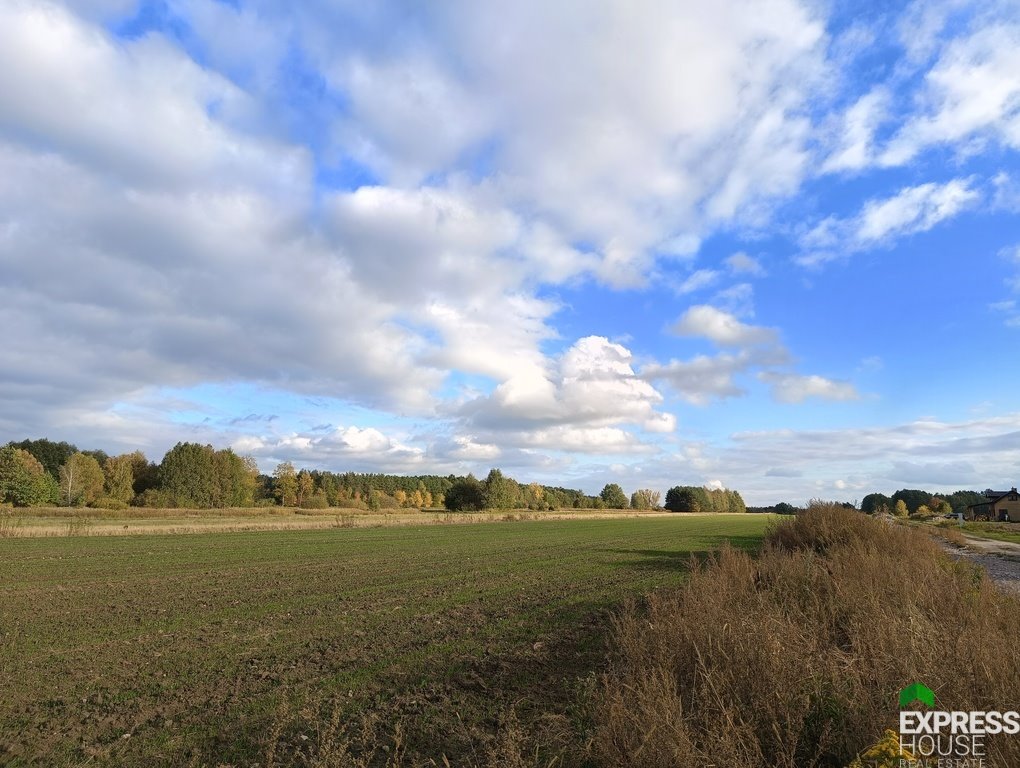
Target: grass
(794,658)
(477,643)
(1008,532)
(64,521)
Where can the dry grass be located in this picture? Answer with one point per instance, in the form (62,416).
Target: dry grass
(69,521)
(795,658)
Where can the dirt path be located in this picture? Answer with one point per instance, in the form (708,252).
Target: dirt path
(1000,558)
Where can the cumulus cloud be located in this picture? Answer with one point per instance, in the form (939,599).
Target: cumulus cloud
(141,108)
(703,378)
(721,328)
(742,264)
(353,447)
(699,114)
(791,388)
(583,403)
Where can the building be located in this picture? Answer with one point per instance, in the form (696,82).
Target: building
(1000,505)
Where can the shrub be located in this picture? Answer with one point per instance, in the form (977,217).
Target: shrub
(315,501)
(108,502)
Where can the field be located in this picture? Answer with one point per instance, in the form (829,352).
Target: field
(68,521)
(241,648)
(1009,532)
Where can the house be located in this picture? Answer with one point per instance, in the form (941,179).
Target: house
(1000,505)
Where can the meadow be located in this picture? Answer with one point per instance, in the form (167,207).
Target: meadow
(427,643)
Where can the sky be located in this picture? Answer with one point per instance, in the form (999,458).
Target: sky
(769,245)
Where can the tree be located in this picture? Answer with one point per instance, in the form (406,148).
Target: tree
(688,498)
(613,496)
(645,498)
(286,484)
(912,498)
(81,480)
(187,476)
(50,454)
(900,510)
(119,477)
(305,486)
(924,511)
(236,479)
(874,502)
(735,502)
(466,495)
(783,508)
(24,482)
(501,492)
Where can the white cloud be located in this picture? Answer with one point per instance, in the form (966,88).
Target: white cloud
(721,328)
(742,264)
(881,221)
(971,94)
(792,388)
(698,116)
(696,281)
(914,209)
(703,378)
(586,397)
(141,109)
(855,149)
(358,448)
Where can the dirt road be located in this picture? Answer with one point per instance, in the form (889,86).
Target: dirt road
(1000,558)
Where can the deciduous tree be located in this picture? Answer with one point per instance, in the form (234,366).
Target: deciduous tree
(613,496)
(23,480)
(81,480)
(119,477)
(286,484)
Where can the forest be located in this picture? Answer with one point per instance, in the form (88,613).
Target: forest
(44,472)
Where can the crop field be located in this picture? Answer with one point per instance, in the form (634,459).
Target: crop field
(251,648)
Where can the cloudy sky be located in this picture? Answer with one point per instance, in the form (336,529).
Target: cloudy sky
(767,244)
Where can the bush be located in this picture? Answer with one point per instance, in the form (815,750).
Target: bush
(795,659)
(315,501)
(108,502)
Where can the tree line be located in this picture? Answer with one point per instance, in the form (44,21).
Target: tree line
(191,475)
(693,498)
(908,501)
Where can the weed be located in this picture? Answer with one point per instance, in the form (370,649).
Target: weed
(11,524)
(78,526)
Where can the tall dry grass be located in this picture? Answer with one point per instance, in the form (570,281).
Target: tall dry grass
(795,658)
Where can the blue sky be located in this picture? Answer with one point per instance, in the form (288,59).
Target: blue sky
(772,246)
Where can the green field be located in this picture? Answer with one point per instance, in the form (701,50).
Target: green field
(214,648)
(1009,532)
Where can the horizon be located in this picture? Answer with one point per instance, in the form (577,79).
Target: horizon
(767,247)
